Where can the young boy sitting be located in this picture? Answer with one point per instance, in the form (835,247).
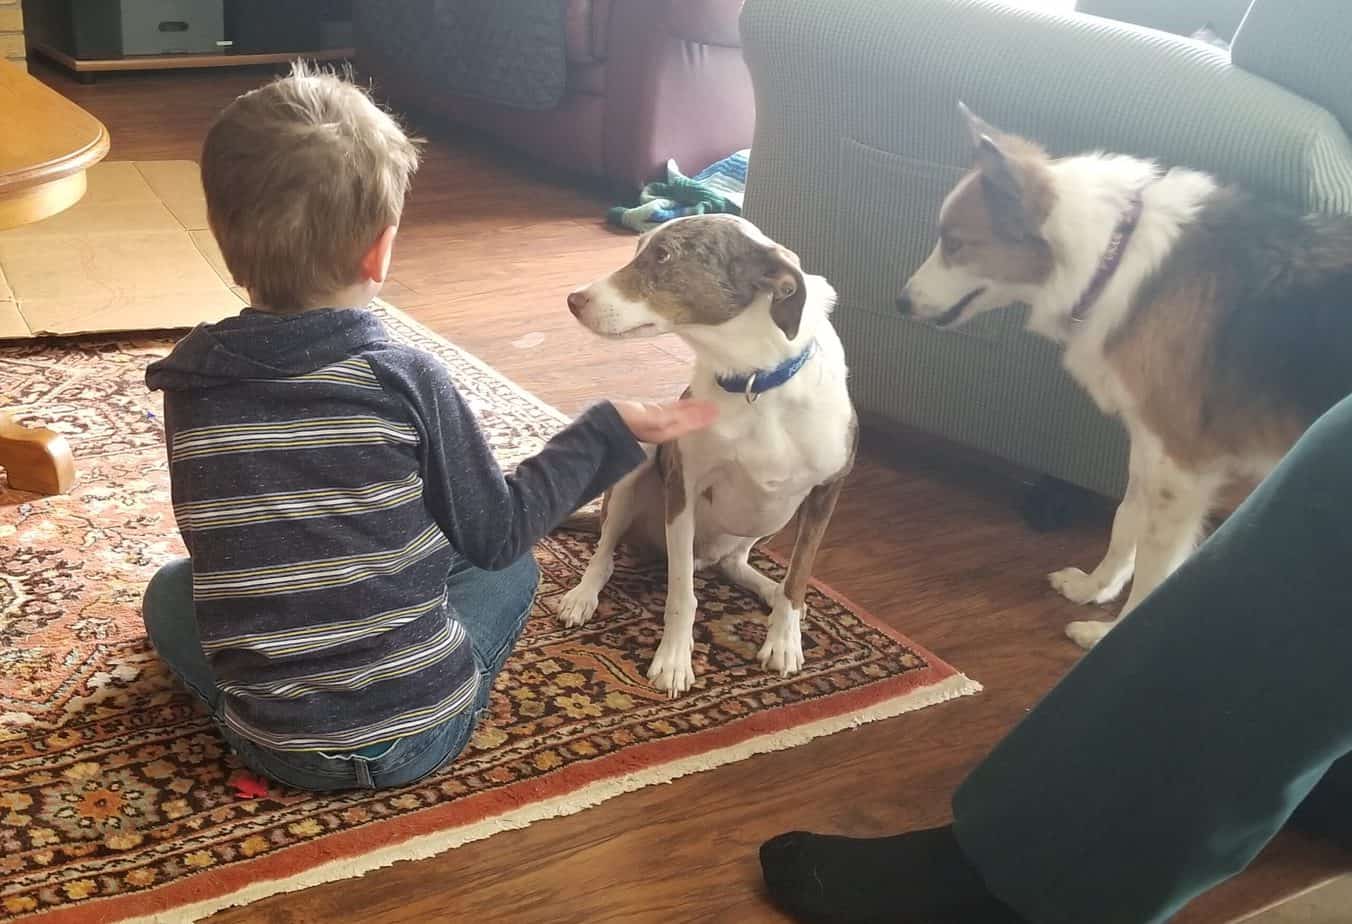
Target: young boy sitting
(359,566)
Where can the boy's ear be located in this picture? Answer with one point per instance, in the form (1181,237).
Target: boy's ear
(375,264)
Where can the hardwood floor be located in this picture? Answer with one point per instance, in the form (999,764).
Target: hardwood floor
(926,537)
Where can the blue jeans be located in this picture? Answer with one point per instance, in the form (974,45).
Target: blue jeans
(492,606)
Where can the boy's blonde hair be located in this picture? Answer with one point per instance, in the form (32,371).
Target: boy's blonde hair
(301,177)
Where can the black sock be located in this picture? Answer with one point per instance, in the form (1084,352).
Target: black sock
(916,878)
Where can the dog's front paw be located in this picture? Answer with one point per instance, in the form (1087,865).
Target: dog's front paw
(673,669)
(782,652)
(1076,586)
(1088,633)
(578,605)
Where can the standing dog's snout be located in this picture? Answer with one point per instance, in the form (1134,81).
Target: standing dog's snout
(904,303)
(577,301)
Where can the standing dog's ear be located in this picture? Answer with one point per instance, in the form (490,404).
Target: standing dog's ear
(1002,185)
(977,127)
(1001,178)
(776,270)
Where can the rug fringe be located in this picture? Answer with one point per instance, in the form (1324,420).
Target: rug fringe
(429,845)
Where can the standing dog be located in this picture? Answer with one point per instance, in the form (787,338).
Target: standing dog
(783,443)
(1217,327)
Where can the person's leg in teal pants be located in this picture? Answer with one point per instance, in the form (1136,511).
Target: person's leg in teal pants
(1165,761)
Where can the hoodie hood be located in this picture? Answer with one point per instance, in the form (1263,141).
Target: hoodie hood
(259,345)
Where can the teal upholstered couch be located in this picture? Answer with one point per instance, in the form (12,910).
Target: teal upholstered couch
(858,140)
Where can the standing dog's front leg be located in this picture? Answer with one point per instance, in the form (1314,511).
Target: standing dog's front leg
(1177,503)
(673,668)
(1107,580)
(783,648)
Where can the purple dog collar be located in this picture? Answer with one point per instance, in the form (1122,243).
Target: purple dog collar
(1111,259)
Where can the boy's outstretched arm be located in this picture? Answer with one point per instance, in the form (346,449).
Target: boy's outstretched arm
(491,518)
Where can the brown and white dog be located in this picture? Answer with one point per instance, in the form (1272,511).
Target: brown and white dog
(783,443)
(1216,326)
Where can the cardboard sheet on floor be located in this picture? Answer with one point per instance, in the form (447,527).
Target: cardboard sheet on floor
(133,254)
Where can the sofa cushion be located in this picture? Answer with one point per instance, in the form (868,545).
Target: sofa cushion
(1302,47)
(587,22)
(709,22)
(587,78)
(578,24)
(600,27)
(1222,16)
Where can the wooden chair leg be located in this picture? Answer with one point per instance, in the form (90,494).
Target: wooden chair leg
(35,460)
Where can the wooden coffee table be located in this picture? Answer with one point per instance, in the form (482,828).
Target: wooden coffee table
(43,159)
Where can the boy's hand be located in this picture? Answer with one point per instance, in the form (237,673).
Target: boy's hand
(653,422)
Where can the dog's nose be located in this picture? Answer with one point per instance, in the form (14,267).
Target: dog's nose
(904,303)
(576,302)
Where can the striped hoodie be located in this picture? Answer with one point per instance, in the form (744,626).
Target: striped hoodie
(324,478)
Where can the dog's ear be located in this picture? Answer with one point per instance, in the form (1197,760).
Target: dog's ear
(788,289)
(999,175)
(776,270)
(1010,177)
(1002,184)
(977,127)
(1002,180)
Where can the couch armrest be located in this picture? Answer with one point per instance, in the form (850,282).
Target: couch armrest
(889,75)
(708,22)
(1305,47)
(1171,15)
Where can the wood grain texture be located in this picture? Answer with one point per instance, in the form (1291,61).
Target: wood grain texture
(28,204)
(46,137)
(925,536)
(11,31)
(47,146)
(183,62)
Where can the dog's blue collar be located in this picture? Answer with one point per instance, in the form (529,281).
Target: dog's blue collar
(763,380)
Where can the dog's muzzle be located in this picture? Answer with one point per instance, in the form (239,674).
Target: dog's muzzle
(952,315)
(906,307)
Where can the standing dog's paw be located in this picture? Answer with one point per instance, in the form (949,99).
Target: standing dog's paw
(577,606)
(1076,586)
(782,652)
(1087,634)
(673,669)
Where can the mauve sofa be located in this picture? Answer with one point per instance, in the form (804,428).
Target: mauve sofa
(647,80)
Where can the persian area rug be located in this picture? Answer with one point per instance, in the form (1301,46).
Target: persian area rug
(118,801)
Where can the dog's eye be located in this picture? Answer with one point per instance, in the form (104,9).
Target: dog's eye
(952,245)
(661,253)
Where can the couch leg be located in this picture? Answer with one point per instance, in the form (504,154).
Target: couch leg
(1051,504)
